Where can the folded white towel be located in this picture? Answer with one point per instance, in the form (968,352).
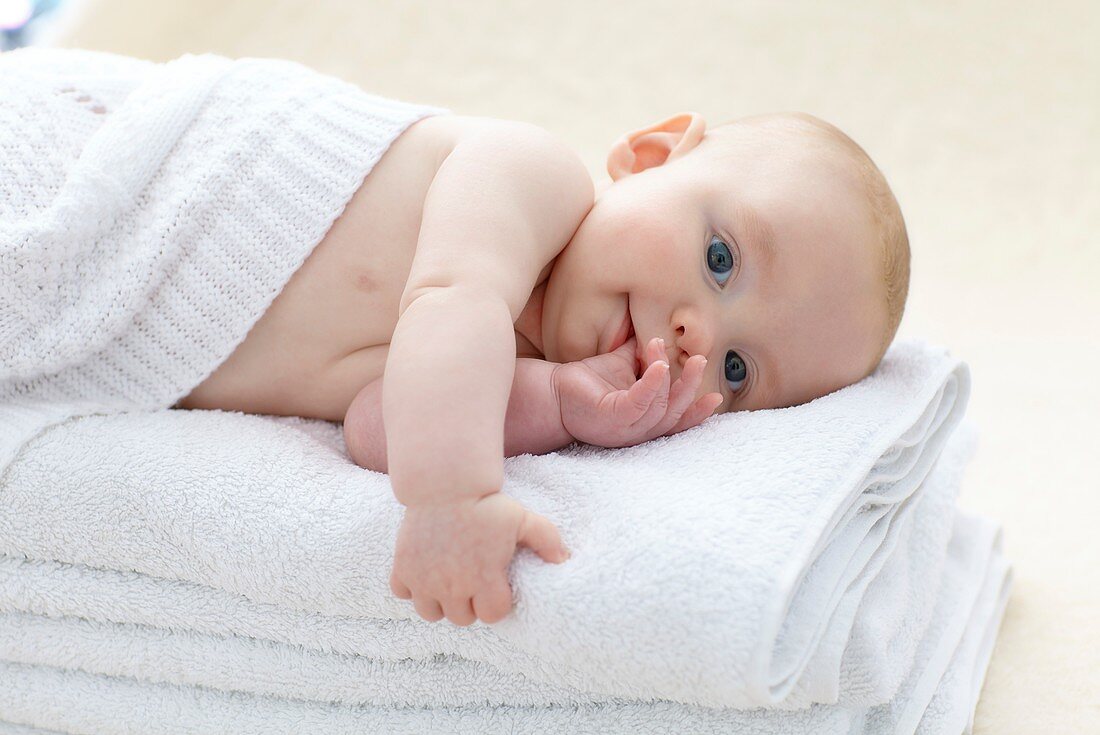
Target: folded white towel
(937,697)
(186,633)
(940,694)
(723,566)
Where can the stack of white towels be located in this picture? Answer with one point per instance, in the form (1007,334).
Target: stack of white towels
(802,570)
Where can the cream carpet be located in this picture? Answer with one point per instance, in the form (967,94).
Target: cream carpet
(985,117)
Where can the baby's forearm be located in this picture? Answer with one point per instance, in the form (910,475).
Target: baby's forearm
(532,424)
(450,365)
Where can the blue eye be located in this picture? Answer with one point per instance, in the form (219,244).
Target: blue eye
(720,260)
(736,371)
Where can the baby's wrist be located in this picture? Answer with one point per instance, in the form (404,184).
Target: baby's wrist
(533,423)
(432,499)
(555,386)
(428,503)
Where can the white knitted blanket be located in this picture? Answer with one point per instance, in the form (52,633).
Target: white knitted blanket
(150,213)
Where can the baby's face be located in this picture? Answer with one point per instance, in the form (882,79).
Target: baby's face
(754,250)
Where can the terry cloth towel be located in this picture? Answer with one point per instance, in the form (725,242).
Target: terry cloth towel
(150,214)
(937,697)
(723,566)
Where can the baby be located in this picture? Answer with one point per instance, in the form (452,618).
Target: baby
(480,298)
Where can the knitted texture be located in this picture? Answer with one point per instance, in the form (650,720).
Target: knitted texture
(150,213)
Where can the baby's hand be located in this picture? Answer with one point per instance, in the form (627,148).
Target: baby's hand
(604,403)
(452,558)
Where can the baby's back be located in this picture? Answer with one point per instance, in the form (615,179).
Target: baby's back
(327,333)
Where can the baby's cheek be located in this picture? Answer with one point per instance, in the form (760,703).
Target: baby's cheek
(665,248)
(644,231)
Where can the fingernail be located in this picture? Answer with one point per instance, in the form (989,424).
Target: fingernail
(661,342)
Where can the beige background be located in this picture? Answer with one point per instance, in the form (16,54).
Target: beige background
(985,117)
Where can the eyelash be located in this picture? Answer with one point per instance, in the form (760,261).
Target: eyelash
(735,256)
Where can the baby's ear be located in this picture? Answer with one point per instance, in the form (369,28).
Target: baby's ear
(655,144)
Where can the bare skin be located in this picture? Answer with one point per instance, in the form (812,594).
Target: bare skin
(327,334)
(470,304)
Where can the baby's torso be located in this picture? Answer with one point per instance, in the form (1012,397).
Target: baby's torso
(327,334)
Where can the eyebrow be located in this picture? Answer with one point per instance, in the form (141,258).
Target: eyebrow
(760,234)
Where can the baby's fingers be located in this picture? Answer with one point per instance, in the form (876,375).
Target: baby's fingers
(494,601)
(700,410)
(646,400)
(459,611)
(682,393)
(428,608)
(399,588)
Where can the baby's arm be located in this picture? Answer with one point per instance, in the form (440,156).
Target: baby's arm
(532,423)
(500,206)
(551,405)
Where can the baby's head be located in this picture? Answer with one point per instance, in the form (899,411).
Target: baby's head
(771,245)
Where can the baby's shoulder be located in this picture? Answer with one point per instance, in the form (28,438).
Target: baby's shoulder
(545,179)
(539,166)
(443,133)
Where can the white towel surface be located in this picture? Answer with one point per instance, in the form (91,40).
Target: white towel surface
(937,697)
(723,566)
(187,633)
